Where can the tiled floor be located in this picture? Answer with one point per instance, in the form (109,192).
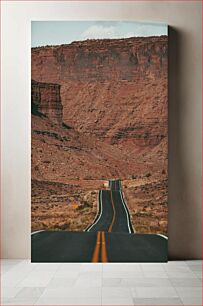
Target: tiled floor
(173,283)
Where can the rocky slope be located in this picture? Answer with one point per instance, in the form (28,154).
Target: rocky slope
(60,154)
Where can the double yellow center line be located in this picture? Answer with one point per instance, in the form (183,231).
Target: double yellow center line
(114,213)
(100,248)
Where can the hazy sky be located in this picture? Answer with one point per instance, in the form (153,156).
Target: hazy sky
(64,32)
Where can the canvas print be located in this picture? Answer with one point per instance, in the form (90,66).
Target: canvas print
(99,127)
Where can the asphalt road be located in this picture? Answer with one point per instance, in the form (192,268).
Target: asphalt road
(50,246)
(110,238)
(113,215)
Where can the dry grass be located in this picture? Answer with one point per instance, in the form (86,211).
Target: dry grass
(69,207)
(147,201)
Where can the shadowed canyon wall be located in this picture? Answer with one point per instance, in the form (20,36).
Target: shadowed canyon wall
(46,99)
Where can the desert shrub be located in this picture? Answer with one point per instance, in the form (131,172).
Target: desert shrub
(64,226)
(85,204)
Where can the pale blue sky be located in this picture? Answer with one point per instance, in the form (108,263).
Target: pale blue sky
(64,32)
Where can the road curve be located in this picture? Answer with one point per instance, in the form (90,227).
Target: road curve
(110,238)
(113,214)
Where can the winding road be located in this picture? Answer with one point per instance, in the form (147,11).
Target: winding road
(110,238)
(113,213)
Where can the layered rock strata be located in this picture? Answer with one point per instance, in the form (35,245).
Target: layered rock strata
(46,100)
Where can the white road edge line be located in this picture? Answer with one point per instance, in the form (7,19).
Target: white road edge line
(126,213)
(165,237)
(33,233)
(95,222)
(124,205)
(134,231)
(87,228)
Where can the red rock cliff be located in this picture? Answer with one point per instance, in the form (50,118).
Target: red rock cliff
(101,60)
(115,89)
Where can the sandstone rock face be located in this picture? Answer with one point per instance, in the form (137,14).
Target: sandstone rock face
(115,89)
(46,99)
(101,60)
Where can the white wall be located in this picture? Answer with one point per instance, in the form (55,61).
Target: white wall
(184,17)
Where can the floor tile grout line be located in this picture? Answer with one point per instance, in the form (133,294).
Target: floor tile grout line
(102,283)
(16,286)
(191,272)
(47,285)
(179,296)
(176,291)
